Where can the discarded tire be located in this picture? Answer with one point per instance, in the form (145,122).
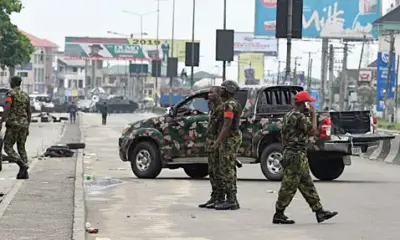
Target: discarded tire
(62,146)
(76,145)
(63,119)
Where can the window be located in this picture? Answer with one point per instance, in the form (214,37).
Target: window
(61,83)
(74,69)
(3,74)
(241,97)
(69,83)
(112,80)
(23,74)
(150,92)
(75,83)
(80,83)
(197,103)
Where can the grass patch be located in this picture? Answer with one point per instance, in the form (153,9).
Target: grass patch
(387,125)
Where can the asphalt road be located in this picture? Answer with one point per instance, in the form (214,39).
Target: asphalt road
(124,207)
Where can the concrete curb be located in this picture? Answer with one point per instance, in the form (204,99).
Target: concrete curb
(78,229)
(387,151)
(18,184)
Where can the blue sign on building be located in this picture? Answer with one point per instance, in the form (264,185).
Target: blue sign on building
(315,94)
(324,18)
(382,64)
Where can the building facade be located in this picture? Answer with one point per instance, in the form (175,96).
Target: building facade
(37,74)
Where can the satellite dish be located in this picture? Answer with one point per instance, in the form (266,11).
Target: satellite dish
(95,98)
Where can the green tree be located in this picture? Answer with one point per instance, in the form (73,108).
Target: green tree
(15,47)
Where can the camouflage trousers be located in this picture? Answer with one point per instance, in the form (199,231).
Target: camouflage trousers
(215,172)
(296,175)
(227,154)
(16,134)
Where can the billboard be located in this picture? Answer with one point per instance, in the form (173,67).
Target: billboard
(350,19)
(251,68)
(123,48)
(315,94)
(365,75)
(246,42)
(382,73)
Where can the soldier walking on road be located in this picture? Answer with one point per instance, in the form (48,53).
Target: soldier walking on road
(72,109)
(228,143)
(214,165)
(296,131)
(104,112)
(17,116)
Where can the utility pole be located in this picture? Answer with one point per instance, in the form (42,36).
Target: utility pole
(331,74)
(397,88)
(389,75)
(289,40)
(309,78)
(324,63)
(359,63)
(130,81)
(279,73)
(172,50)
(224,62)
(193,26)
(295,82)
(343,79)
(157,96)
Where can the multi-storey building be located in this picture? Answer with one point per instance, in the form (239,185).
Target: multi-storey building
(37,74)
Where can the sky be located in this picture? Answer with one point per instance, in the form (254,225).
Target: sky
(55,19)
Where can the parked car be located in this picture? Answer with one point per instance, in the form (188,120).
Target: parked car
(176,139)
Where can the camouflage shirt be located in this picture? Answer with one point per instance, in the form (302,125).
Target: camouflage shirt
(231,109)
(295,131)
(212,128)
(18,110)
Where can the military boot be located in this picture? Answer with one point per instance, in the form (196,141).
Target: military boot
(281,218)
(231,203)
(219,198)
(23,170)
(323,215)
(210,201)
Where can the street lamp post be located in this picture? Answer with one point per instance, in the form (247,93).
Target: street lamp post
(172,50)
(141,42)
(224,62)
(193,26)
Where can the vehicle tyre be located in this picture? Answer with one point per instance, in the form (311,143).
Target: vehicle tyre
(76,145)
(196,171)
(270,162)
(326,169)
(146,160)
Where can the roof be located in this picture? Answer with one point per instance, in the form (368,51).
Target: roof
(117,70)
(39,42)
(392,16)
(202,74)
(72,63)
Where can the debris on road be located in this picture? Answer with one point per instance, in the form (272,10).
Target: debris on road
(89,178)
(271,191)
(2,194)
(58,152)
(90,229)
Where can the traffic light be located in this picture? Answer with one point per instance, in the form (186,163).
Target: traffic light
(282,19)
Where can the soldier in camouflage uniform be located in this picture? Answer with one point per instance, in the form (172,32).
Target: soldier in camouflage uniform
(296,131)
(17,116)
(228,143)
(214,166)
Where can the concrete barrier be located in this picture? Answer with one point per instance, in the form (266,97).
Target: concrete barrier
(387,150)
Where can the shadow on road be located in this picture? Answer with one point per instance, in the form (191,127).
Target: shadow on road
(262,180)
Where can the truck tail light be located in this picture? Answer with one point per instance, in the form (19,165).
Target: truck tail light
(374,120)
(325,131)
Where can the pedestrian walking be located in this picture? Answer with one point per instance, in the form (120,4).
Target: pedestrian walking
(72,109)
(104,113)
(228,143)
(17,116)
(296,131)
(214,165)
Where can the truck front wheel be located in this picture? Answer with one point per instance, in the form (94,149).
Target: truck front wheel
(326,169)
(196,171)
(270,162)
(145,160)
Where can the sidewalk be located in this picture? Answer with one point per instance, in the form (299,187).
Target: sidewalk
(43,207)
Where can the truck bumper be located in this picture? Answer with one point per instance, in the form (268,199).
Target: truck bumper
(355,144)
(123,149)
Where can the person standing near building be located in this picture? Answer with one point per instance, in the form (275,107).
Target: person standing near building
(214,165)
(165,49)
(17,116)
(296,131)
(228,143)
(104,113)
(72,109)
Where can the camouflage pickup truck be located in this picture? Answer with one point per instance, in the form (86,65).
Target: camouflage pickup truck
(176,139)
